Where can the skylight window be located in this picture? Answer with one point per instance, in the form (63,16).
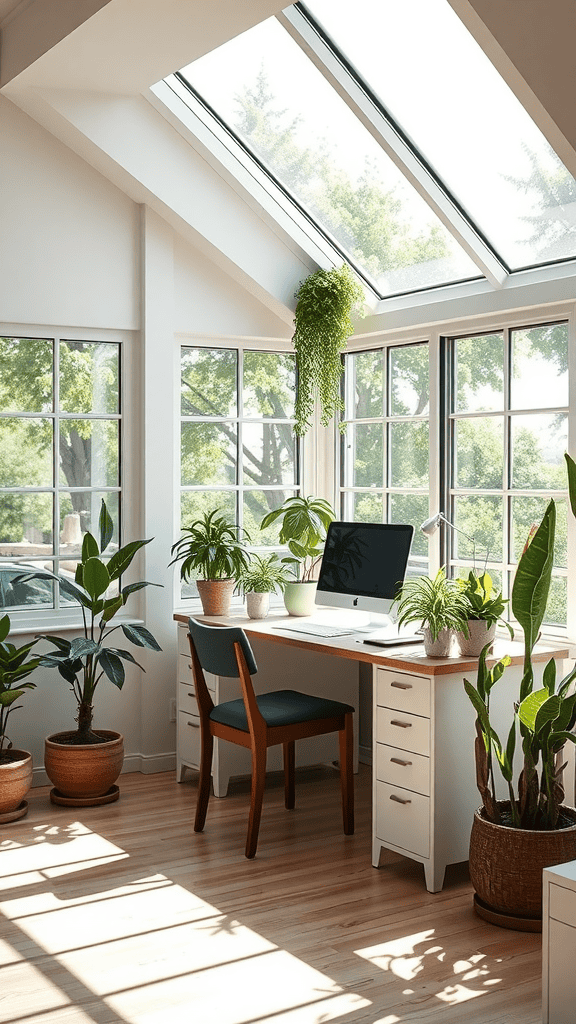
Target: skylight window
(389,129)
(438,84)
(275,100)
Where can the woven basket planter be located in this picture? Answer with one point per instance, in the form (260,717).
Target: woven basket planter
(215,595)
(15,781)
(506,864)
(84,774)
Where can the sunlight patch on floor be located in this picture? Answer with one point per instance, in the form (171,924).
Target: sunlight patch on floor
(149,950)
(415,958)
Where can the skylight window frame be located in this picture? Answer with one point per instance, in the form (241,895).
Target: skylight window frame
(356,93)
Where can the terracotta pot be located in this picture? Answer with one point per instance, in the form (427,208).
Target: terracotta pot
(215,595)
(479,634)
(15,781)
(86,772)
(447,644)
(299,597)
(506,864)
(257,605)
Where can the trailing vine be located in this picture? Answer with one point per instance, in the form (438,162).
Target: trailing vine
(323,325)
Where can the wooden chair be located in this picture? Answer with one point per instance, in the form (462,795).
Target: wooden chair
(261,721)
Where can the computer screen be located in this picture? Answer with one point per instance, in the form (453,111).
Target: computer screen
(363,565)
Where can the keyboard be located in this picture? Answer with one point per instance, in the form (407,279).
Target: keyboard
(316,629)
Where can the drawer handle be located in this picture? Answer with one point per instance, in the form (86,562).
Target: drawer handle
(194,725)
(401,686)
(399,800)
(402,725)
(191,694)
(396,760)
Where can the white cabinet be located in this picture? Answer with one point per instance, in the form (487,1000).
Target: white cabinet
(308,671)
(424,779)
(559,944)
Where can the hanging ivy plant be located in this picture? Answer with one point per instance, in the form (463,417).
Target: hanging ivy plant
(323,325)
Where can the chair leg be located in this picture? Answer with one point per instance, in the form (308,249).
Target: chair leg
(346,741)
(257,794)
(204,781)
(289,774)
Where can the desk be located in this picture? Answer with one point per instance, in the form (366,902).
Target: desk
(424,786)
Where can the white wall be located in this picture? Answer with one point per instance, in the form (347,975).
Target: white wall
(76,252)
(69,242)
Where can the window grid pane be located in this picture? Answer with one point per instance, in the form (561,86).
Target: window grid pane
(238,449)
(522,449)
(56,468)
(384,458)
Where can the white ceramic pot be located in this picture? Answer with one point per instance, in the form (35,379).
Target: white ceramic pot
(447,644)
(299,597)
(257,605)
(479,634)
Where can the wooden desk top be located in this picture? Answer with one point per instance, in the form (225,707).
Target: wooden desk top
(405,657)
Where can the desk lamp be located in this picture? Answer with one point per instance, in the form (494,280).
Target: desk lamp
(430,526)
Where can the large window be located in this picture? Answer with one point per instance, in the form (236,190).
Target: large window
(59,456)
(238,449)
(508,431)
(385,447)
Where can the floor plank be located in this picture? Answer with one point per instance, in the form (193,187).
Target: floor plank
(122,915)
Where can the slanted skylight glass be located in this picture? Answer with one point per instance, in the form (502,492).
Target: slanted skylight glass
(438,85)
(264,87)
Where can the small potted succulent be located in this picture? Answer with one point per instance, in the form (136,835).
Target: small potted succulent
(441,607)
(264,575)
(304,523)
(16,664)
(212,552)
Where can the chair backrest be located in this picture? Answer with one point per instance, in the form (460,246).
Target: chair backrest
(215,648)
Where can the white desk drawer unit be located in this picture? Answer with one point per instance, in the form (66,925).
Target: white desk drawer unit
(559,944)
(403,768)
(304,671)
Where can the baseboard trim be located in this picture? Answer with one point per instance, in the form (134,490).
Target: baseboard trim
(148,764)
(365,755)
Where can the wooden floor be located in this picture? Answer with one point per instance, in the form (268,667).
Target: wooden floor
(122,914)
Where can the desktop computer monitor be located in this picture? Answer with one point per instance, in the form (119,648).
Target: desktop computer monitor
(363,566)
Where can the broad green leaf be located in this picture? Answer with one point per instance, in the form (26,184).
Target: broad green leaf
(537,709)
(96,577)
(113,667)
(4,627)
(532,579)
(89,548)
(131,588)
(82,646)
(123,557)
(9,696)
(106,527)
(549,676)
(140,636)
(111,607)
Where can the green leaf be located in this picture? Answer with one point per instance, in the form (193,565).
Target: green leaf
(131,588)
(4,627)
(571,466)
(89,548)
(96,577)
(532,580)
(123,557)
(537,709)
(113,667)
(140,636)
(82,646)
(110,608)
(106,527)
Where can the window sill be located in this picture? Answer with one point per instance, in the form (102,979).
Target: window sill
(64,623)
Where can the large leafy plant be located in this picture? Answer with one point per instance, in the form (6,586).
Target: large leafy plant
(437,603)
(304,522)
(16,665)
(322,326)
(86,659)
(212,548)
(543,718)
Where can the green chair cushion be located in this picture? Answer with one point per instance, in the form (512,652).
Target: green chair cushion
(282,707)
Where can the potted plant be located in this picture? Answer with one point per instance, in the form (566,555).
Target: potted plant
(211,548)
(304,522)
(322,326)
(442,609)
(83,764)
(513,840)
(264,575)
(485,608)
(16,665)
